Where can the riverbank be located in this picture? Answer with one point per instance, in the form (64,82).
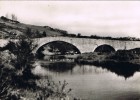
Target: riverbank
(109,59)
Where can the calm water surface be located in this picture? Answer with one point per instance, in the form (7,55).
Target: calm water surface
(95,83)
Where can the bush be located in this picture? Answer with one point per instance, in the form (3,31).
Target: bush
(22,62)
(22,50)
(53,91)
(122,55)
(5,84)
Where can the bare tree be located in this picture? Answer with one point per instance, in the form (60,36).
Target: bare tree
(14,17)
(11,16)
(7,15)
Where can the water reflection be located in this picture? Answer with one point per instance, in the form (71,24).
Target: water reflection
(124,70)
(59,66)
(91,82)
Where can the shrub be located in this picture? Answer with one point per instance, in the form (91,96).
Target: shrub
(122,55)
(22,51)
(53,91)
(5,83)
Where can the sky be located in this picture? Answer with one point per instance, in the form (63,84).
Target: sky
(103,18)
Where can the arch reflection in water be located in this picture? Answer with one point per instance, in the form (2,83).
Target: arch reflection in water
(59,66)
(121,69)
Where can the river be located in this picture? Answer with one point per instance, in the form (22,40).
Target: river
(91,82)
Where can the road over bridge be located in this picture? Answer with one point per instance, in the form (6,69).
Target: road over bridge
(87,44)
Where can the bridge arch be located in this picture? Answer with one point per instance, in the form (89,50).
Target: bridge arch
(105,48)
(86,44)
(58,46)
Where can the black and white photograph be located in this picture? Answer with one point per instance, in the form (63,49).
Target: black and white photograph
(69,50)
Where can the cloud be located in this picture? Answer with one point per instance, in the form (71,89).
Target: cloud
(107,18)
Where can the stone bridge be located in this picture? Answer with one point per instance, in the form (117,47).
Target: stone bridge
(87,44)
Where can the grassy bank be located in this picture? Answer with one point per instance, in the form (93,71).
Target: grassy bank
(123,64)
(109,59)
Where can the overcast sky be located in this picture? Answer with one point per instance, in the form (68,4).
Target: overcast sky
(105,18)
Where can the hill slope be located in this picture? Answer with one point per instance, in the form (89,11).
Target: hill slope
(14,29)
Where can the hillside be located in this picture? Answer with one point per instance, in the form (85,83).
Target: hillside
(14,29)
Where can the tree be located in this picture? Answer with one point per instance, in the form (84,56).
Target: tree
(22,49)
(44,34)
(79,34)
(28,32)
(6,16)
(14,17)
(37,34)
